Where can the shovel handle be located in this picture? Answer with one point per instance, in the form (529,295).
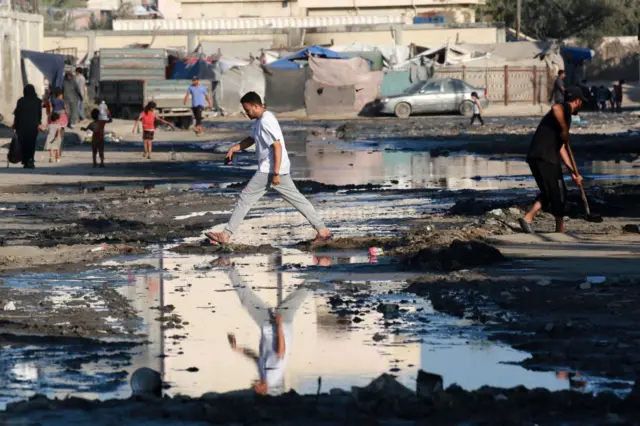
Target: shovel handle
(575,169)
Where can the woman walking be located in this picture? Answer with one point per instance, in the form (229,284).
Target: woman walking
(27,124)
(148,118)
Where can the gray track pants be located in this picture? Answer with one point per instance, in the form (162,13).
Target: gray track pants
(259,184)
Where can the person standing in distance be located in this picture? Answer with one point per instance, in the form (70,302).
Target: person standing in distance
(199,100)
(273,172)
(547,150)
(558,92)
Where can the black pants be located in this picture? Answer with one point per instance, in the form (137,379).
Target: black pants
(479,117)
(197,114)
(28,141)
(553,192)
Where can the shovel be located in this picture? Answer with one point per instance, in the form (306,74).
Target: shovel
(589,217)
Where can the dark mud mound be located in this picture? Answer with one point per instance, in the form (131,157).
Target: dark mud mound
(569,325)
(313,187)
(384,401)
(458,255)
(206,247)
(348,243)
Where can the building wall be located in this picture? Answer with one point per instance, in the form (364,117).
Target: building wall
(423,35)
(243,9)
(18,31)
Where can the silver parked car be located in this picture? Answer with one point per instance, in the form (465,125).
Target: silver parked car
(432,96)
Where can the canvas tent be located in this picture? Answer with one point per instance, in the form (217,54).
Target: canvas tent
(285,88)
(301,57)
(184,70)
(236,82)
(49,64)
(353,73)
(233,49)
(392,54)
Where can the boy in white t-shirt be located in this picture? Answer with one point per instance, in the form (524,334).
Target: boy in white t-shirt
(273,171)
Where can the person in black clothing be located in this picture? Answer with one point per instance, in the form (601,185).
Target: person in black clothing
(546,152)
(27,123)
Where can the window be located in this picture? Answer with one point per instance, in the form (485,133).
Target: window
(433,87)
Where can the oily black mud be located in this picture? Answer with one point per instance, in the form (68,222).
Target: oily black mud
(565,325)
(383,402)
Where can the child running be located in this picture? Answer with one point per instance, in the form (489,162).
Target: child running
(477,109)
(148,118)
(54,137)
(97,139)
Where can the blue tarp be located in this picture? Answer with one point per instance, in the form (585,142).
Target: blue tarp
(49,64)
(288,64)
(578,54)
(200,69)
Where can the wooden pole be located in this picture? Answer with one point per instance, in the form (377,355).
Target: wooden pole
(506,85)
(518,13)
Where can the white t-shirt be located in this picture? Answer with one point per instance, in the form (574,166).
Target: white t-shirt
(270,367)
(266,131)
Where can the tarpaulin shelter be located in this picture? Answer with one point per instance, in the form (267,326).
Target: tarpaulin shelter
(186,70)
(51,65)
(292,62)
(391,54)
(236,82)
(234,49)
(347,72)
(285,88)
(577,53)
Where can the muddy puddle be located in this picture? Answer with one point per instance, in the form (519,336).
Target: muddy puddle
(343,322)
(414,164)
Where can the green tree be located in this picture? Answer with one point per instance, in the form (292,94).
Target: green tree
(559,19)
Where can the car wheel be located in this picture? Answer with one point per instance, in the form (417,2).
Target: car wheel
(402,110)
(466,108)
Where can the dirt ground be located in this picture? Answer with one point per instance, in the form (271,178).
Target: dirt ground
(534,294)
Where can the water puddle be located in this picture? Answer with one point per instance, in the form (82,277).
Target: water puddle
(415,164)
(331,325)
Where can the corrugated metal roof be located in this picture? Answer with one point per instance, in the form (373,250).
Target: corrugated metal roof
(133,64)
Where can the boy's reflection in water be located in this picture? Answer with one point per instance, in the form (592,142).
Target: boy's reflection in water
(275,334)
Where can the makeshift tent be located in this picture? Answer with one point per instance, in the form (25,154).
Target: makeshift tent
(186,70)
(392,54)
(50,65)
(577,54)
(348,72)
(285,88)
(323,99)
(293,61)
(395,82)
(236,82)
(234,49)
(374,58)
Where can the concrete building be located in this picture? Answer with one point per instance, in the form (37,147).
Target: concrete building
(301,31)
(18,31)
(456,11)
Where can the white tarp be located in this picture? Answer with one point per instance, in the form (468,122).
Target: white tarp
(234,49)
(392,54)
(237,81)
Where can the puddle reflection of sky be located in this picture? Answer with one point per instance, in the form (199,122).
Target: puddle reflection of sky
(214,298)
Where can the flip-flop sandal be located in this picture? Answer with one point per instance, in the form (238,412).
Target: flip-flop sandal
(209,235)
(526,227)
(320,239)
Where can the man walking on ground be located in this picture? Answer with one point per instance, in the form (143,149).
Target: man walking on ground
(82,84)
(558,92)
(273,171)
(617,92)
(72,97)
(547,150)
(199,100)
